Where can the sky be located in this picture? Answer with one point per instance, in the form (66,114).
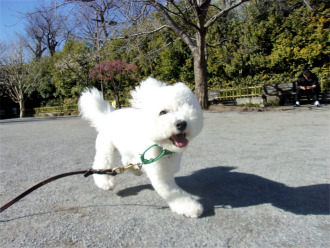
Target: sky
(10,22)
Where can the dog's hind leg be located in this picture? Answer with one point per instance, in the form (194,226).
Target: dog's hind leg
(104,159)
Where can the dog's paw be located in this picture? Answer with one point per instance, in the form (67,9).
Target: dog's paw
(187,206)
(104,182)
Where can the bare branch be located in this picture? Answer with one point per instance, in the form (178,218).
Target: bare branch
(157,50)
(141,33)
(216,44)
(131,35)
(213,19)
(180,14)
(173,25)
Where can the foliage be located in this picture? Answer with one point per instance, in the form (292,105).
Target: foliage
(71,69)
(272,45)
(260,43)
(116,75)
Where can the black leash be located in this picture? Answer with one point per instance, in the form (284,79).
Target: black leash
(51,179)
(111,172)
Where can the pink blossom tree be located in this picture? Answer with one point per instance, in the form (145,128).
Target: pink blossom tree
(116,74)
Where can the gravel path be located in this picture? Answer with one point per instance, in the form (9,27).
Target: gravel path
(263,178)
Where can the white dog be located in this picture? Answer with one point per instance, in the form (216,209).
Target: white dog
(169,116)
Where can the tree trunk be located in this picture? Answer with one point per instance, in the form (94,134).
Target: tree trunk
(118,100)
(21,108)
(200,73)
(200,70)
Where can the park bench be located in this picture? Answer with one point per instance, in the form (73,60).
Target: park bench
(285,93)
(213,96)
(282,93)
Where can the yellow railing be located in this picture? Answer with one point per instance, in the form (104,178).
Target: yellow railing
(239,92)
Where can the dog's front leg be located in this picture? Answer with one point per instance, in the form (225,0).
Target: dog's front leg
(179,201)
(104,159)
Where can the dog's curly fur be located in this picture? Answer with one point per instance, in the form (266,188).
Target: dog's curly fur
(169,116)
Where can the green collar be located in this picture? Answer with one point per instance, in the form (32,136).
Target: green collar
(149,161)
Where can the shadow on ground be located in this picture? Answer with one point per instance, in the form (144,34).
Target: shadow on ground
(220,187)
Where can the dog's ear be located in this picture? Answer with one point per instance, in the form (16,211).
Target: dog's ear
(144,91)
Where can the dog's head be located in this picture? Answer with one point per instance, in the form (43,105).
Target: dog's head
(171,114)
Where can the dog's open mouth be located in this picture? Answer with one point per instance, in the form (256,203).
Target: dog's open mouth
(179,140)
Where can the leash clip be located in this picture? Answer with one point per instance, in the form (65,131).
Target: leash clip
(132,167)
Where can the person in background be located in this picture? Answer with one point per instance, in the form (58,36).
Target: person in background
(308,84)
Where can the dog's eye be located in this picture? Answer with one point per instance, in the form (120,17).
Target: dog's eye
(164,112)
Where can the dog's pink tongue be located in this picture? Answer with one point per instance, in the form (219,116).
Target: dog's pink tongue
(180,140)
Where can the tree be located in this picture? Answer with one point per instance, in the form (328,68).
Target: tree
(261,42)
(94,20)
(118,74)
(44,28)
(270,42)
(188,19)
(35,33)
(52,23)
(18,77)
(71,69)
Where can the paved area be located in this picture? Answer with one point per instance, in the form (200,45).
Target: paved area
(263,178)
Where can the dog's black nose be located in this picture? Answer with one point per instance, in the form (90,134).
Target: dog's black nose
(181,125)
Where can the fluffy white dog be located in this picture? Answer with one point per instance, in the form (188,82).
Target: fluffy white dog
(169,116)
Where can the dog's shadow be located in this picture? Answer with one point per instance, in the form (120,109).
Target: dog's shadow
(219,187)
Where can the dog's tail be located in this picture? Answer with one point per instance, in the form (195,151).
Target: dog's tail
(93,107)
